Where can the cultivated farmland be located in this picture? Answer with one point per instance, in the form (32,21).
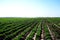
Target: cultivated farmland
(29,28)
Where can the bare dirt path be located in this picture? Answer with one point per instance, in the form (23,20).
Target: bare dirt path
(56,25)
(51,33)
(34,36)
(42,35)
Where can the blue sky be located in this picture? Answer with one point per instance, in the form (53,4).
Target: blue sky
(29,8)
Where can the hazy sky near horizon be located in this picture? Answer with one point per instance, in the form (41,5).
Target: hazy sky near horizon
(29,8)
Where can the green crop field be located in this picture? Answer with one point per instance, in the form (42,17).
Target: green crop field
(29,28)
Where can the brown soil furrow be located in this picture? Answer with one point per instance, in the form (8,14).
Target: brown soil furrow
(34,37)
(56,25)
(42,35)
(51,33)
(28,35)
